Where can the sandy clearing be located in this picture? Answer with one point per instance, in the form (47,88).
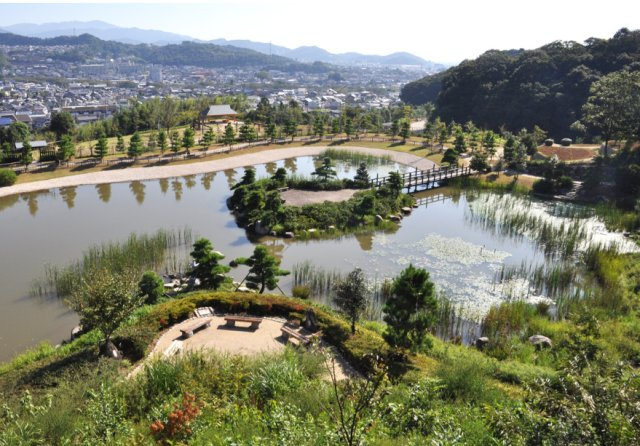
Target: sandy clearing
(235,341)
(296,197)
(241,160)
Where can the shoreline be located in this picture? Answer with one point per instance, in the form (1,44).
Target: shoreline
(232,162)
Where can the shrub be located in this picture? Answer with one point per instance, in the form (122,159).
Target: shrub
(275,378)
(301,292)
(566,142)
(7,177)
(564,182)
(464,378)
(151,287)
(548,142)
(544,186)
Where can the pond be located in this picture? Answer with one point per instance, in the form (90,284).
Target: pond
(56,226)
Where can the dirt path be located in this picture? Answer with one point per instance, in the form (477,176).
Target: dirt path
(241,160)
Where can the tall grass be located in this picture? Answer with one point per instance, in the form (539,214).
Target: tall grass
(560,232)
(138,253)
(452,321)
(321,282)
(355,157)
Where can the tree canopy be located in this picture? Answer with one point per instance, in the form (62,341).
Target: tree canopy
(546,86)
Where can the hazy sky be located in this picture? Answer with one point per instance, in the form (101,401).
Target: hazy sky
(443,31)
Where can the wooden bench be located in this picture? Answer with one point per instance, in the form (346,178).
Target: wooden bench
(288,333)
(188,331)
(231,321)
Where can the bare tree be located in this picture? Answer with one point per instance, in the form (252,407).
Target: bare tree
(356,399)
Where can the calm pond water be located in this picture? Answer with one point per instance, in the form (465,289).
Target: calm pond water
(56,226)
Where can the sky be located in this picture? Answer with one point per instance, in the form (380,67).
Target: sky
(445,31)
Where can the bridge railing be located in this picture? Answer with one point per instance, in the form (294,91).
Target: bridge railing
(420,177)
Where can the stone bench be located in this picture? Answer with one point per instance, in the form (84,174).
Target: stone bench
(254,321)
(188,331)
(288,333)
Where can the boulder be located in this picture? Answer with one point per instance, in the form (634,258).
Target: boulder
(331,227)
(379,218)
(395,218)
(481,342)
(76,331)
(111,351)
(310,322)
(244,289)
(312,230)
(540,341)
(261,229)
(406,210)
(289,235)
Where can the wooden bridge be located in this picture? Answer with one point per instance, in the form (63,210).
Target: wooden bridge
(428,178)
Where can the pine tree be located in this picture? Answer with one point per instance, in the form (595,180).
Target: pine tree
(205,264)
(66,148)
(135,146)
(26,156)
(188,139)
(162,141)
(265,270)
(175,141)
(405,130)
(229,135)
(410,311)
(102,147)
(362,176)
(318,126)
(271,131)
(325,170)
(120,144)
(352,296)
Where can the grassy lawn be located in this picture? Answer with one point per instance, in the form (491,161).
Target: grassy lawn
(502,178)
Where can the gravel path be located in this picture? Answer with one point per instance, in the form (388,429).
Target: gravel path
(169,171)
(296,197)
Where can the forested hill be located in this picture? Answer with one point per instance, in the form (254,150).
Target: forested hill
(85,47)
(546,87)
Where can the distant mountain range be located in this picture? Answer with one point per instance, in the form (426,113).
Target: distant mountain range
(106,31)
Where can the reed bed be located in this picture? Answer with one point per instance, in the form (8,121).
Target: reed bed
(356,158)
(560,231)
(158,252)
(452,321)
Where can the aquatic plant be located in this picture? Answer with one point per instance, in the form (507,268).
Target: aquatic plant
(355,158)
(138,253)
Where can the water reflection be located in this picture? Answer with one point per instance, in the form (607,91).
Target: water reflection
(104,192)
(137,188)
(231,177)
(291,165)
(7,202)
(271,168)
(365,241)
(207,179)
(176,187)
(189,181)
(164,185)
(68,195)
